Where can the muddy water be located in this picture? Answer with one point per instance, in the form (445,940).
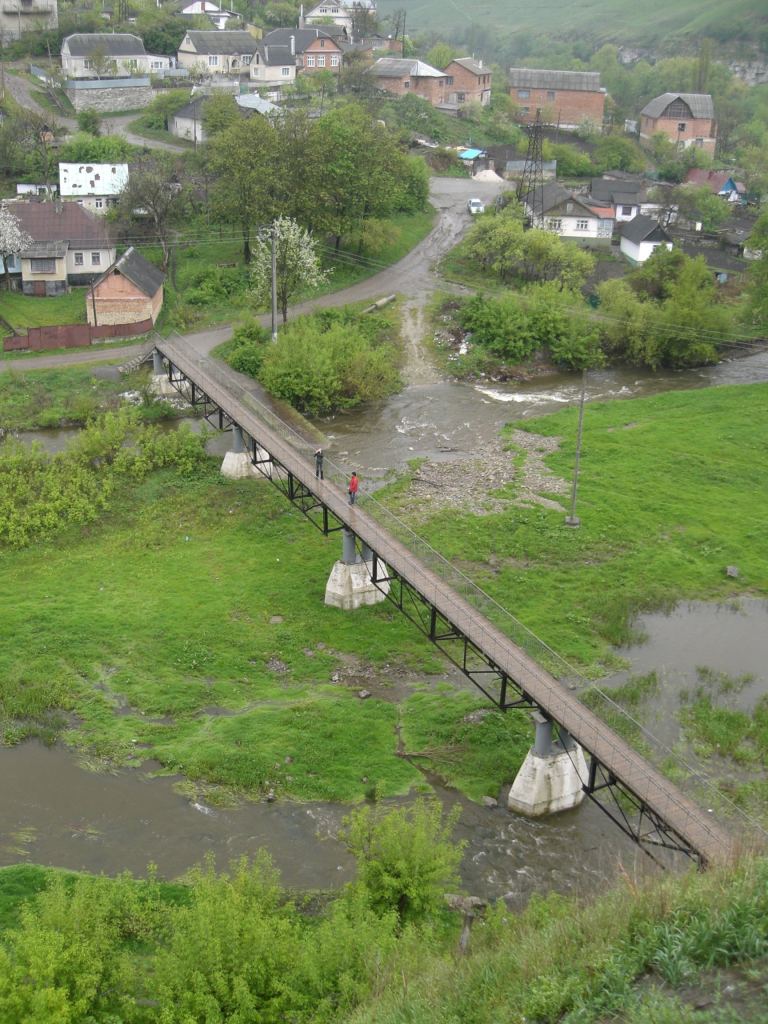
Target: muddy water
(729,638)
(52,811)
(444,420)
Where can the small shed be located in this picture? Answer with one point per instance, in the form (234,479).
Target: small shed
(130,292)
(641,237)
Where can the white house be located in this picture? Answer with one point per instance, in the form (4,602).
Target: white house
(556,209)
(218,16)
(187,122)
(339,12)
(274,66)
(217,52)
(641,237)
(108,55)
(94,186)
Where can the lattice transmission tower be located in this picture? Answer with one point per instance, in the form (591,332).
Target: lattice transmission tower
(530,189)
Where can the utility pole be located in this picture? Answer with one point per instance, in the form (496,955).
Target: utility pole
(572,519)
(274,280)
(530,188)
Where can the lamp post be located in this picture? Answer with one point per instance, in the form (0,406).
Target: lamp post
(572,519)
(273,234)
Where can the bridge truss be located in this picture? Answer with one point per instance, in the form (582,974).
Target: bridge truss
(644,804)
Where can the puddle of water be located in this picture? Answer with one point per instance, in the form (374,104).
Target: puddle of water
(55,812)
(730,638)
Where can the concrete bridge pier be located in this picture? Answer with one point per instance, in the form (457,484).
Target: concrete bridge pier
(552,776)
(237,463)
(349,585)
(160,385)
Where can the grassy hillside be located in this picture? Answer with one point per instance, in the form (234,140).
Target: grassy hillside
(604,20)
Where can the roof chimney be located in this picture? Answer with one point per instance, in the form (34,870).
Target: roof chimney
(301,16)
(293,46)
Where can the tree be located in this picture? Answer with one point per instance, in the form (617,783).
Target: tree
(441,55)
(13,239)
(219,112)
(154,196)
(89,121)
(406,858)
(84,148)
(615,152)
(243,160)
(698,203)
(298,265)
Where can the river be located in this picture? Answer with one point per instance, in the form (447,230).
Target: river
(55,811)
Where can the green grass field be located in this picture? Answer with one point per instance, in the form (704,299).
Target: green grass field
(22,311)
(602,20)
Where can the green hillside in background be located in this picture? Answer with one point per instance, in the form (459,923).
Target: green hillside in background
(626,21)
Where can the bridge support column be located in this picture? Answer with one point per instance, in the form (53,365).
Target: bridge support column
(551,776)
(237,463)
(350,584)
(160,384)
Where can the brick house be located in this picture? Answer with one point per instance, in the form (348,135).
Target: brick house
(468,82)
(686,118)
(569,216)
(312,49)
(130,292)
(404,75)
(69,246)
(565,98)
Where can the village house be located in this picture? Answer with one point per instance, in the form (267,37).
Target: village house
(467,82)
(107,55)
(187,122)
(565,98)
(685,118)
(96,187)
(641,237)
(346,13)
(129,292)
(27,16)
(406,75)
(217,52)
(719,183)
(273,66)
(625,196)
(69,246)
(313,49)
(216,15)
(556,209)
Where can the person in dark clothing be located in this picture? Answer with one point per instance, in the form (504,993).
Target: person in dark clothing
(352,489)
(319,463)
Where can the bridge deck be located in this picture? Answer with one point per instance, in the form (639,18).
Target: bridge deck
(690,821)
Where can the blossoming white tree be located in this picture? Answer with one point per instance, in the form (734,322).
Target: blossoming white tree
(298,264)
(13,239)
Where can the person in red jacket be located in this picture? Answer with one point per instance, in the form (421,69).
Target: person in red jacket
(352,488)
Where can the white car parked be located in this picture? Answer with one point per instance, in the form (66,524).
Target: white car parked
(475,206)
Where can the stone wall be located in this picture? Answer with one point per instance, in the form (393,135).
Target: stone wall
(109,100)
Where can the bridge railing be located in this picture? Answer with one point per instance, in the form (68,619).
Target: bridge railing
(684,771)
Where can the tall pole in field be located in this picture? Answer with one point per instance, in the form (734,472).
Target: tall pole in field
(572,519)
(274,281)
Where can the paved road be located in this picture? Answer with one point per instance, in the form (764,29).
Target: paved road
(413,277)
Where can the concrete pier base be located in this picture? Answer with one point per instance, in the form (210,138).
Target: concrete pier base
(552,775)
(350,586)
(162,387)
(238,466)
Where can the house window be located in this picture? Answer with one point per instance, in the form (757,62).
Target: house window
(213,60)
(310,61)
(322,44)
(246,59)
(285,72)
(87,64)
(407,83)
(550,95)
(525,111)
(523,94)
(460,97)
(582,225)
(79,261)
(334,61)
(321,61)
(98,203)
(95,259)
(554,224)
(449,79)
(681,126)
(43,266)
